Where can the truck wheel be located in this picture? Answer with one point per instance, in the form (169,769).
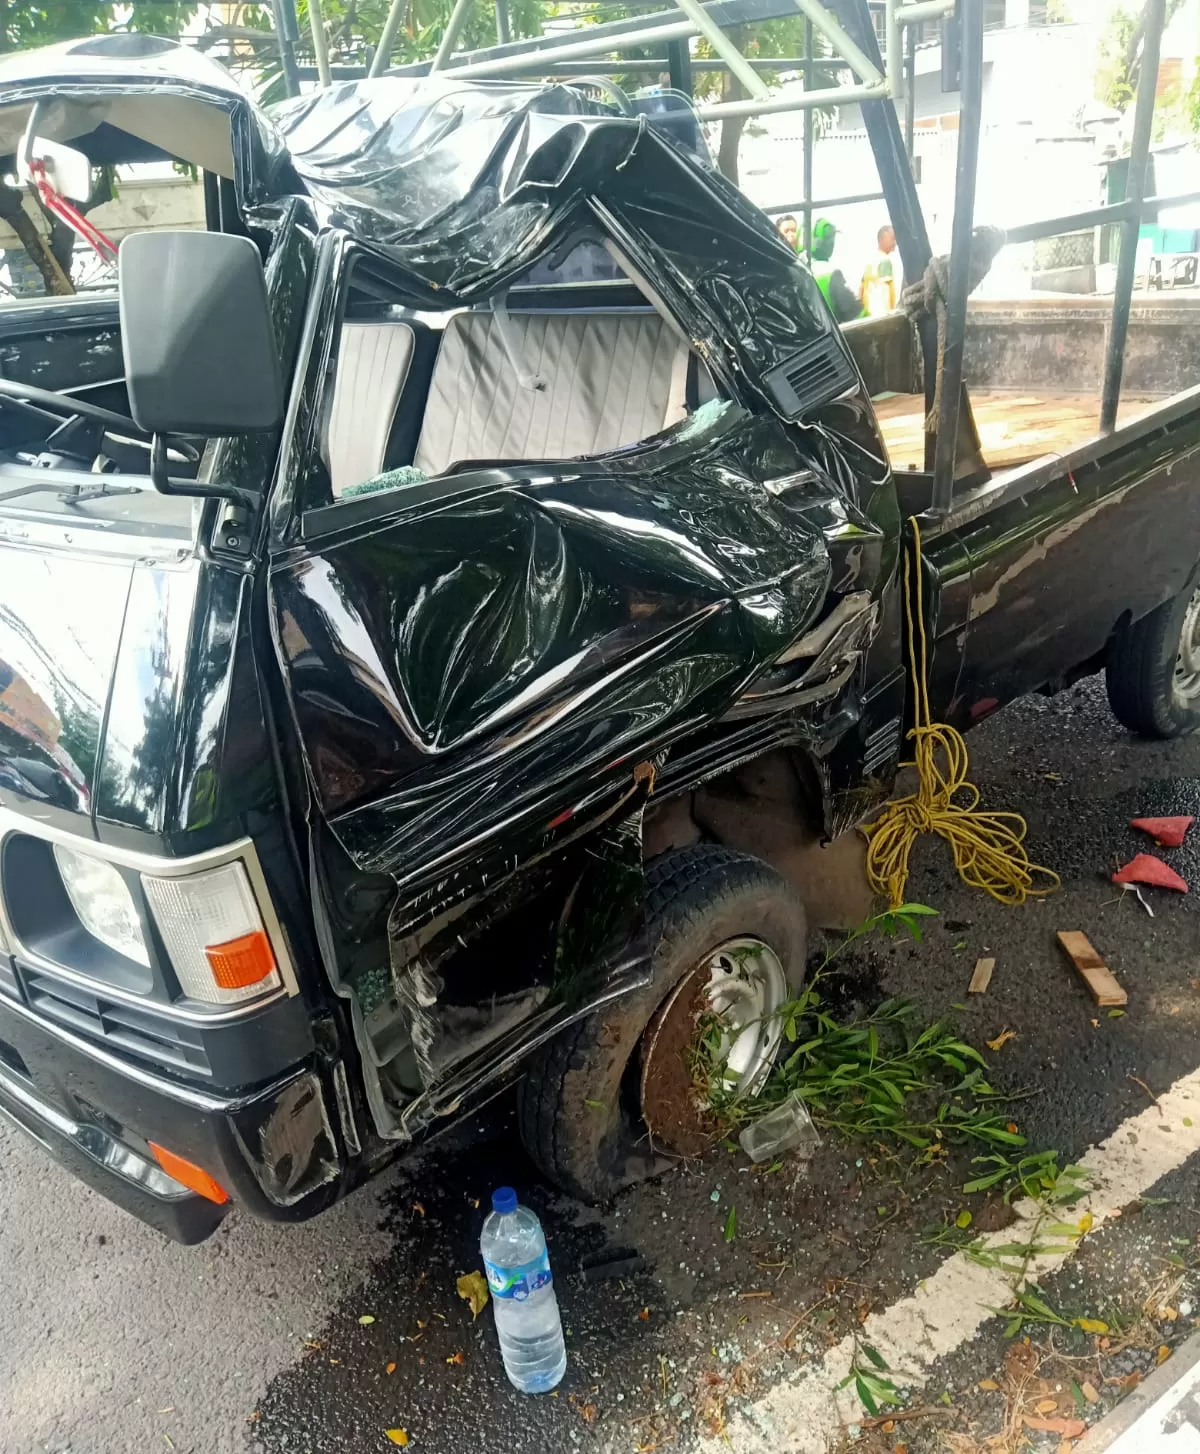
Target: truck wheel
(1153,668)
(600,1102)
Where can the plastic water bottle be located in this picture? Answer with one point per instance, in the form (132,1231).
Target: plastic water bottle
(519,1279)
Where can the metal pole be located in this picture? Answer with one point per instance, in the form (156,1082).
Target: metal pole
(724,47)
(630,31)
(955,321)
(1135,191)
(387,39)
(679,66)
(533,60)
(893,58)
(316,23)
(926,10)
(601,65)
(458,17)
(910,93)
(1095,217)
(810,124)
(895,175)
(287,33)
(854,56)
(503,27)
(831,96)
(900,191)
(822,204)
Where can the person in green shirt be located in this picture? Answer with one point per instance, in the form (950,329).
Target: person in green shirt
(842,299)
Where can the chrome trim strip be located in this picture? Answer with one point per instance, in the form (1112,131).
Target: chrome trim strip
(186,1011)
(95,1143)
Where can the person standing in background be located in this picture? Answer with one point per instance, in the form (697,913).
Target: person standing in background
(789,231)
(881,280)
(841,298)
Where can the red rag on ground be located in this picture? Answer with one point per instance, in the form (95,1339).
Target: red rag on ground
(1146,869)
(1168,832)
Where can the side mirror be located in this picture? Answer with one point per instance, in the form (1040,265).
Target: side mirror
(196,333)
(68,171)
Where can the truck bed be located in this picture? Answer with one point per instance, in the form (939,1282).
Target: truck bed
(1013,427)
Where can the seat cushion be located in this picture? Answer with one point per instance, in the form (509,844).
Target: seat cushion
(372,366)
(608,380)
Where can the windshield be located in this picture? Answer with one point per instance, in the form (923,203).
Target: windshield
(68,447)
(67,442)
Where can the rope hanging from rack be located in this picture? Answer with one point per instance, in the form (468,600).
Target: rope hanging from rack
(929,293)
(988,847)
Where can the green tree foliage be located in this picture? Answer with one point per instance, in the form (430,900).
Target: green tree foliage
(353,29)
(1120,54)
(1114,79)
(28,23)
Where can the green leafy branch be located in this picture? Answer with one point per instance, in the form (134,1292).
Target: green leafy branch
(1052,1189)
(868,1373)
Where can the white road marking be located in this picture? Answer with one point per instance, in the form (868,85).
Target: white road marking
(803,1414)
(1169,1425)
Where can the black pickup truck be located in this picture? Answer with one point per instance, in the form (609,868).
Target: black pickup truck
(444,608)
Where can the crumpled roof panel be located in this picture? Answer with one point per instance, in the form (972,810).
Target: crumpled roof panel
(462,182)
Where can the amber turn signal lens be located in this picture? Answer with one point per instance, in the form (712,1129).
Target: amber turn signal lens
(242,961)
(195,1178)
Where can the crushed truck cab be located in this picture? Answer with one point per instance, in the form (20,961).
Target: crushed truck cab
(443,611)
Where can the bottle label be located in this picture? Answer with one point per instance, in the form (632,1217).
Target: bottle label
(519,1282)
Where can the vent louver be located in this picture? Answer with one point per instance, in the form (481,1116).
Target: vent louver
(816,374)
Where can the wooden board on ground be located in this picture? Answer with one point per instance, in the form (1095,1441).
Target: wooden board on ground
(1013,427)
(982,976)
(1092,969)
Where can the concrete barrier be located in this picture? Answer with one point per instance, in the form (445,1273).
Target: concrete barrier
(1057,344)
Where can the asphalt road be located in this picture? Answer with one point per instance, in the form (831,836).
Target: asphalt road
(113,1340)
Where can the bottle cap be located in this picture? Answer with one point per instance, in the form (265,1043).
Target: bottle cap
(504,1199)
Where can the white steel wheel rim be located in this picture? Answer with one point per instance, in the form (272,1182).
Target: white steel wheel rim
(1187,663)
(746,986)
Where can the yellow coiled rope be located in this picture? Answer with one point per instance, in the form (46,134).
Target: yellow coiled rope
(989,848)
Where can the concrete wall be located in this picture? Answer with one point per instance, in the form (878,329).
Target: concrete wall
(1044,345)
(1057,345)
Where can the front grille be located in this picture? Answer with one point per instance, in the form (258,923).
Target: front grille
(8,979)
(819,372)
(123,1027)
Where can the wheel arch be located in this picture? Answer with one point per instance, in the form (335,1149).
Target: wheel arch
(774,808)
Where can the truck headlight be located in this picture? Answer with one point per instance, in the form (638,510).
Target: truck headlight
(103,903)
(214,934)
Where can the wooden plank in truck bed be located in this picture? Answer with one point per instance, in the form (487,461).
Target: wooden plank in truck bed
(1013,427)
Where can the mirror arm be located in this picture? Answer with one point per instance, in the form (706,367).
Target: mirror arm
(163,483)
(31,133)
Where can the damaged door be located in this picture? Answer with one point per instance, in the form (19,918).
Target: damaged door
(486,671)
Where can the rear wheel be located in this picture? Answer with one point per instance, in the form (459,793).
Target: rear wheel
(728,947)
(1153,668)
